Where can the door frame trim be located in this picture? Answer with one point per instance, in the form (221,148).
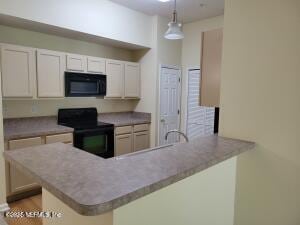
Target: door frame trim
(188,69)
(161,66)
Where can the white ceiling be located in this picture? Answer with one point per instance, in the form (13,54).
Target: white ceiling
(188,10)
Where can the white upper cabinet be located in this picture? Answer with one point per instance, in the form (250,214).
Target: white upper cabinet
(132,80)
(115,79)
(39,73)
(95,65)
(76,63)
(18,71)
(50,73)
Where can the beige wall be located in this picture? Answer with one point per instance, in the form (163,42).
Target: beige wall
(260,101)
(27,108)
(204,198)
(41,40)
(191,53)
(104,18)
(2,162)
(162,52)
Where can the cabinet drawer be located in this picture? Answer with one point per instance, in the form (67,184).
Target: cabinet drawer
(23,143)
(123,130)
(141,141)
(140,127)
(123,144)
(65,138)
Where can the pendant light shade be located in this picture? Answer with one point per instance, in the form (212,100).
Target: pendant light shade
(174,32)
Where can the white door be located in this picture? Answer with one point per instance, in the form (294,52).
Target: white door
(200,120)
(169,104)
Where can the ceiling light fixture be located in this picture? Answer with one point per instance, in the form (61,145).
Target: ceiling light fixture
(163,0)
(174,32)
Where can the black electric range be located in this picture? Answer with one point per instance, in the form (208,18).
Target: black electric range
(89,134)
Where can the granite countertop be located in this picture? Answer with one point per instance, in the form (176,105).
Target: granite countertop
(32,127)
(81,180)
(47,125)
(125,118)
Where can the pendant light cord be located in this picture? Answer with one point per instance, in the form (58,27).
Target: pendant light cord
(175,12)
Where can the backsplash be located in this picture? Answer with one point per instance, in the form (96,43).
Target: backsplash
(32,108)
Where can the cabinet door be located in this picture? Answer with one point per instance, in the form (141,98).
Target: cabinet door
(123,144)
(76,63)
(18,181)
(211,68)
(141,141)
(18,71)
(132,80)
(96,65)
(50,73)
(115,79)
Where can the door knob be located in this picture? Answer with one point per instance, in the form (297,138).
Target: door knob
(162,120)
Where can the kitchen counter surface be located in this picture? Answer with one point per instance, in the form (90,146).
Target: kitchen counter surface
(32,127)
(92,185)
(18,128)
(125,118)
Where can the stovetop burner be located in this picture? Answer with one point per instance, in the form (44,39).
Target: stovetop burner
(80,118)
(87,125)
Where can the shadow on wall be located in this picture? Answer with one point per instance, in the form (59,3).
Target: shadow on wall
(276,182)
(29,108)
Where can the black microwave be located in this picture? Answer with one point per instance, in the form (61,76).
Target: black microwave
(84,85)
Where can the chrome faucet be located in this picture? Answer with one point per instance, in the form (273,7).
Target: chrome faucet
(179,132)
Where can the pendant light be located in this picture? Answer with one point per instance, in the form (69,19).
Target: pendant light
(174,32)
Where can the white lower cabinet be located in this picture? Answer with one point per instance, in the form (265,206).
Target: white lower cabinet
(17,182)
(140,140)
(131,138)
(50,73)
(123,144)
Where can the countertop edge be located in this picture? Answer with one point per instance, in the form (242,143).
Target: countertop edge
(93,210)
(43,133)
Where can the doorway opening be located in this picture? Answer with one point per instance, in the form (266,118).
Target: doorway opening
(169,103)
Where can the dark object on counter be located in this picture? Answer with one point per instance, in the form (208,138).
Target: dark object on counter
(216,124)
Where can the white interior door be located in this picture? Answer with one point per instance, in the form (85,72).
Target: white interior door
(169,104)
(200,120)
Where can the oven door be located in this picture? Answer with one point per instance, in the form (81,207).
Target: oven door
(98,141)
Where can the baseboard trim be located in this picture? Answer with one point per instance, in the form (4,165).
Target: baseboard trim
(4,208)
(22,195)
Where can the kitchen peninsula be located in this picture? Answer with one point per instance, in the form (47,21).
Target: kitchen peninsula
(107,189)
